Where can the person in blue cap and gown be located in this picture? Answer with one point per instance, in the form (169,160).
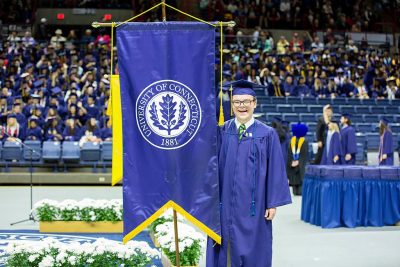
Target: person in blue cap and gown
(332,154)
(34,132)
(386,143)
(348,140)
(297,157)
(253,183)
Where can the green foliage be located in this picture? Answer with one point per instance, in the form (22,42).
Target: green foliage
(189,257)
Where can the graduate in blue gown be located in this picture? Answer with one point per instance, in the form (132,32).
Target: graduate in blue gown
(253,183)
(348,140)
(386,143)
(34,132)
(332,154)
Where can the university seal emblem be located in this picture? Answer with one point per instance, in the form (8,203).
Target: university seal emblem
(168,114)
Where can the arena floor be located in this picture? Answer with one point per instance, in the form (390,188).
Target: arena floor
(296,244)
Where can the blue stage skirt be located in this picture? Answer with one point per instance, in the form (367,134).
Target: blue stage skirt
(351,196)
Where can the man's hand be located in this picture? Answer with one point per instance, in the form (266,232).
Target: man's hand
(295,163)
(384,156)
(270,214)
(319,144)
(336,158)
(347,157)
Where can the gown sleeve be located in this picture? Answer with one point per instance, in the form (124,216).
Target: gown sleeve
(277,192)
(387,143)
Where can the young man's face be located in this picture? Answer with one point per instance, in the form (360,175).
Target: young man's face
(243,107)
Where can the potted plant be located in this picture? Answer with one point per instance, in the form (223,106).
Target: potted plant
(52,253)
(87,215)
(190,244)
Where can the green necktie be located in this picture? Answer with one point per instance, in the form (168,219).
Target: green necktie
(242,128)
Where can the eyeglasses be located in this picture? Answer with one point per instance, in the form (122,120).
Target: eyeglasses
(245,103)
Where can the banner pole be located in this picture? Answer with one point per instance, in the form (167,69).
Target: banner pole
(177,256)
(96,24)
(164,12)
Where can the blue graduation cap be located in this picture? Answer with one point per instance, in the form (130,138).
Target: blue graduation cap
(243,87)
(385,121)
(36,96)
(33,118)
(347,116)
(299,130)
(28,66)
(12,115)
(38,83)
(227,73)
(56,90)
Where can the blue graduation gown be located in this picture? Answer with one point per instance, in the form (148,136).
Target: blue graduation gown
(256,159)
(386,147)
(335,148)
(349,144)
(49,136)
(69,136)
(105,133)
(34,134)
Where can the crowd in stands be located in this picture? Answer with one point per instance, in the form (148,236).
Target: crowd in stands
(55,90)
(300,67)
(355,15)
(59,89)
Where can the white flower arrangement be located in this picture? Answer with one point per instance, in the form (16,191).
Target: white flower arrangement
(167,216)
(103,252)
(190,243)
(89,210)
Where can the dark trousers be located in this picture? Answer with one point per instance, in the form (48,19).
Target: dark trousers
(297,190)
(318,156)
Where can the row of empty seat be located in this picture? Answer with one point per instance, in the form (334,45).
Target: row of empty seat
(55,152)
(301,108)
(324,101)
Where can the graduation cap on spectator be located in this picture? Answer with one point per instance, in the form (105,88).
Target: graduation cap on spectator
(42,67)
(38,83)
(35,96)
(347,116)
(28,66)
(385,121)
(25,74)
(33,118)
(391,79)
(361,67)
(56,90)
(227,73)
(12,115)
(299,130)
(3,97)
(41,76)
(339,70)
